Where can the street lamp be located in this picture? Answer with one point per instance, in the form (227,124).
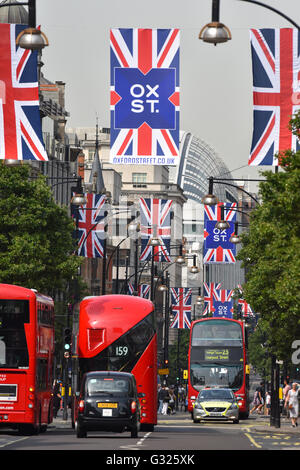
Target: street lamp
(216,32)
(222,224)
(211,200)
(79,198)
(31,38)
(235,238)
(194,269)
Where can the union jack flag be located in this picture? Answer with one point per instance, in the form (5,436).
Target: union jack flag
(217,247)
(90,224)
(181,301)
(155,222)
(276,85)
(223,307)
(144,96)
(144,291)
(20,123)
(210,295)
(244,307)
(130,288)
(218,301)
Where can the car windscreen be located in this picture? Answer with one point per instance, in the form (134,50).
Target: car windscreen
(215,395)
(110,386)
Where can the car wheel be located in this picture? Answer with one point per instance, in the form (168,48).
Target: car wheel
(236,421)
(80,430)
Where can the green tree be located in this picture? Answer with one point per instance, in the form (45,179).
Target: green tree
(36,243)
(270,252)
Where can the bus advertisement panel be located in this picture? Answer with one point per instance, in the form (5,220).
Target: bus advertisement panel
(26,358)
(117,333)
(218,358)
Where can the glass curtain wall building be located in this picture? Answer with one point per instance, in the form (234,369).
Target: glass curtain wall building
(197,163)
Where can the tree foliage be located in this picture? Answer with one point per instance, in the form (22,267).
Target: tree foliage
(36,243)
(271,250)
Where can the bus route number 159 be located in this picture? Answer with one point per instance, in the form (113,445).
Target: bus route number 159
(121,350)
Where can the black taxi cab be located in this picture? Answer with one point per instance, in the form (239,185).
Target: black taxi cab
(108,401)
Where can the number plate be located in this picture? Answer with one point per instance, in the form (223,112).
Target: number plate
(107,405)
(215,413)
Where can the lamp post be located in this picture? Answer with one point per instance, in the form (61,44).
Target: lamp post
(211,200)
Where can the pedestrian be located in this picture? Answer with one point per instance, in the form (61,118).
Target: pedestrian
(257,400)
(262,398)
(285,392)
(165,399)
(160,398)
(293,404)
(268,403)
(172,401)
(56,398)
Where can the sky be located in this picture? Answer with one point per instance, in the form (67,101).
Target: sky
(215,81)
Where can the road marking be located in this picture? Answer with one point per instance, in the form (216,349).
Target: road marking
(141,441)
(14,442)
(138,445)
(252,440)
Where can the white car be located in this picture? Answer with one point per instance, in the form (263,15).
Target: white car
(216,403)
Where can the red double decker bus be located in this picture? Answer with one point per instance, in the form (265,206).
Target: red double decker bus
(218,358)
(117,333)
(26,358)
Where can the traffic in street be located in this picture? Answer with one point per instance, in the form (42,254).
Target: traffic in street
(176,433)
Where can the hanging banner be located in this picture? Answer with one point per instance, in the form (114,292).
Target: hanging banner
(20,122)
(218,301)
(155,223)
(144,290)
(243,307)
(181,301)
(276,92)
(217,247)
(90,226)
(144,96)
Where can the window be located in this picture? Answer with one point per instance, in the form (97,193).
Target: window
(13,345)
(123,354)
(139,180)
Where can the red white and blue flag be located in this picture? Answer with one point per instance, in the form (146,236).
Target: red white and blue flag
(218,301)
(144,290)
(210,296)
(217,247)
(181,302)
(144,96)
(130,288)
(243,307)
(20,123)
(90,219)
(155,222)
(276,92)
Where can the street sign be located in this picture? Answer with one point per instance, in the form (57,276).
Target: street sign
(163,371)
